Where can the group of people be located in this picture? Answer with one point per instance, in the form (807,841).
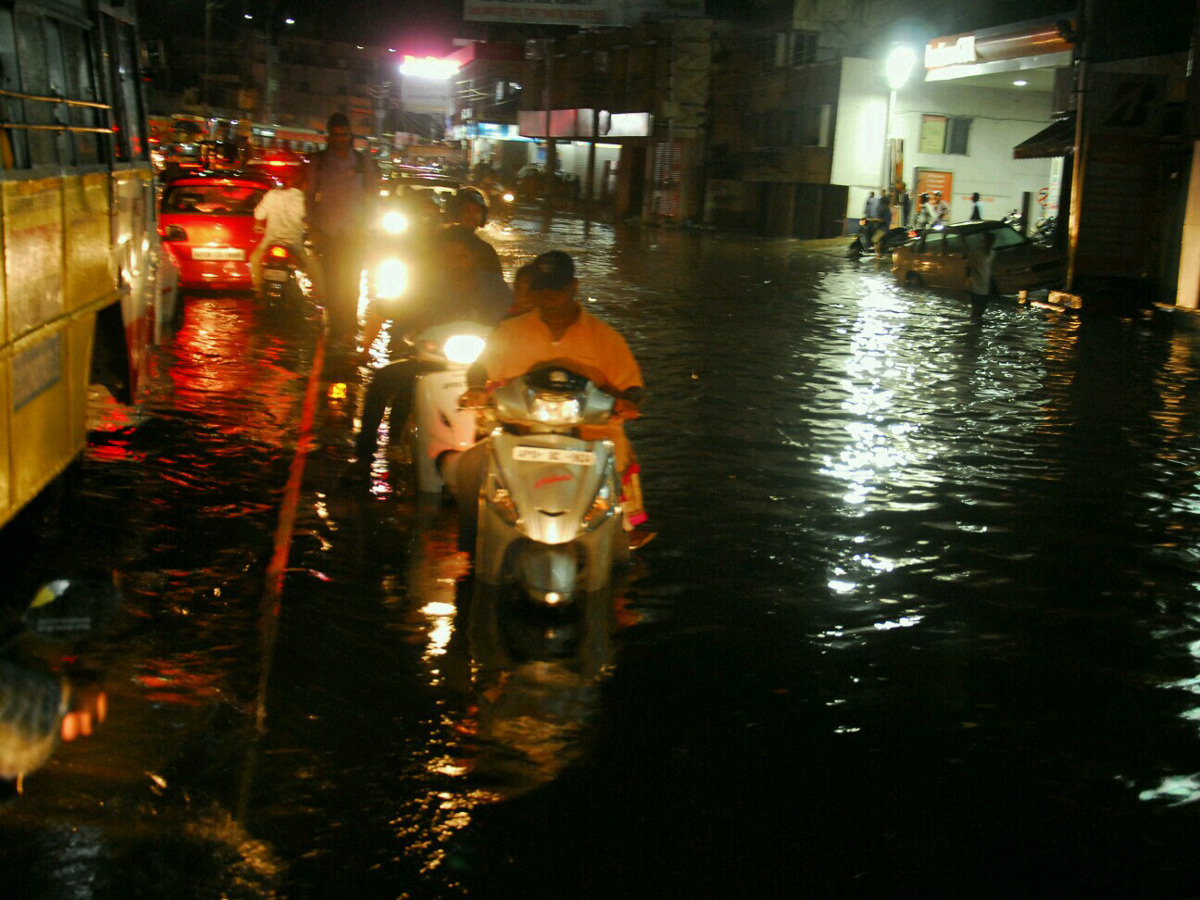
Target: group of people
(539,320)
(880,212)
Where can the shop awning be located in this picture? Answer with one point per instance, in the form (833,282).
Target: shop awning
(1057,139)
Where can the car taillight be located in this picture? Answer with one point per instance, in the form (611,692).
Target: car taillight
(174,233)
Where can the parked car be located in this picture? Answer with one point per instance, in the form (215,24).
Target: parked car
(207,222)
(938,258)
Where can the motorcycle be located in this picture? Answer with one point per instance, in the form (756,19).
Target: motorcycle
(280,275)
(448,350)
(502,203)
(1015,220)
(861,244)
(550,516)
(1045,231)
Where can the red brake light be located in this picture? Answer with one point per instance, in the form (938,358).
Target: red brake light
(278,252)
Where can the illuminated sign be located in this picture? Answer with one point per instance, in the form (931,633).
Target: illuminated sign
(428,67)
(942,54)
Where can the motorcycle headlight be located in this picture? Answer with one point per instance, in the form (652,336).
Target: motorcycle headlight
(509,197)
(394,222)
(463,349)
(391,279)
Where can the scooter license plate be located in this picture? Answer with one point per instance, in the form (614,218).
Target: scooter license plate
(276,274)
(553,455)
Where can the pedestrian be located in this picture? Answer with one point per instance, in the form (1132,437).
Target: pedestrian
(342,193)
(904,202)
(976,212)
(980,257)
(882,223)
(938,209)
(869,206)
(924,217)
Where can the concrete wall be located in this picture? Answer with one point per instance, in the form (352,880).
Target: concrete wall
(1002,118)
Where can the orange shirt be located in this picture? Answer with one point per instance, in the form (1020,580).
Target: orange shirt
(588,347)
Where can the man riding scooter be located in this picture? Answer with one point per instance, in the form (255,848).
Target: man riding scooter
(559,330)
(455,290)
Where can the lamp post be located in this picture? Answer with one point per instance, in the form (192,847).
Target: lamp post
(898,68)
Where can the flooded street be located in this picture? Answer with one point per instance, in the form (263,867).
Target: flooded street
(922,615)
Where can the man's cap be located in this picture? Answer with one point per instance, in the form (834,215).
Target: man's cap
(552,271)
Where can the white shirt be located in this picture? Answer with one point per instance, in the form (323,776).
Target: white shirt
(283,210)
(979,269)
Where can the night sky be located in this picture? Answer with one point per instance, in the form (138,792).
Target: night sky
(429,26)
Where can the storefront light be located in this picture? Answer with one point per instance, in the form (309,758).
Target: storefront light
(900,63)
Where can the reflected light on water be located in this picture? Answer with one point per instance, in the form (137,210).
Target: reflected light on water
(1181,789)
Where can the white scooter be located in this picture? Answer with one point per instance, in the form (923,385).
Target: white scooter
(436,416)
(550,515)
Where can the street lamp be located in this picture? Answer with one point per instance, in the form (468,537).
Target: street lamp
(898,67)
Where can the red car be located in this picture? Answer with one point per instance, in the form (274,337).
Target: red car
(207,223)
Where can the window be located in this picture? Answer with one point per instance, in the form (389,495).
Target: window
(814,126)
(35,79)
(14,151)
(804,47)
(944,134)
(81,85)
(957,131)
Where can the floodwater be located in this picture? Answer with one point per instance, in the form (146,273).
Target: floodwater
(922,615)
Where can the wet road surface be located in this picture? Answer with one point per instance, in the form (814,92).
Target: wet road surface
(921,616)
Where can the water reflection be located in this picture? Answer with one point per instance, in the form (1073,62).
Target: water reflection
(48,693)
(536,683)
(529,679)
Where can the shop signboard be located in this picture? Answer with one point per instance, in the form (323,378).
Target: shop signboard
(930,180)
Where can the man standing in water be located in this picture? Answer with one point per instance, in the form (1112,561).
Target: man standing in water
(343,189)
(980,257)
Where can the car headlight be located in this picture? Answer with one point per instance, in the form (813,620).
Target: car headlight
(394,222)
(391,279)
(463,349)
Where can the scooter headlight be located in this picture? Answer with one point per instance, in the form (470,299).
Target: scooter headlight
(391,279)
(555,410)
(463,349)
(394,222)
